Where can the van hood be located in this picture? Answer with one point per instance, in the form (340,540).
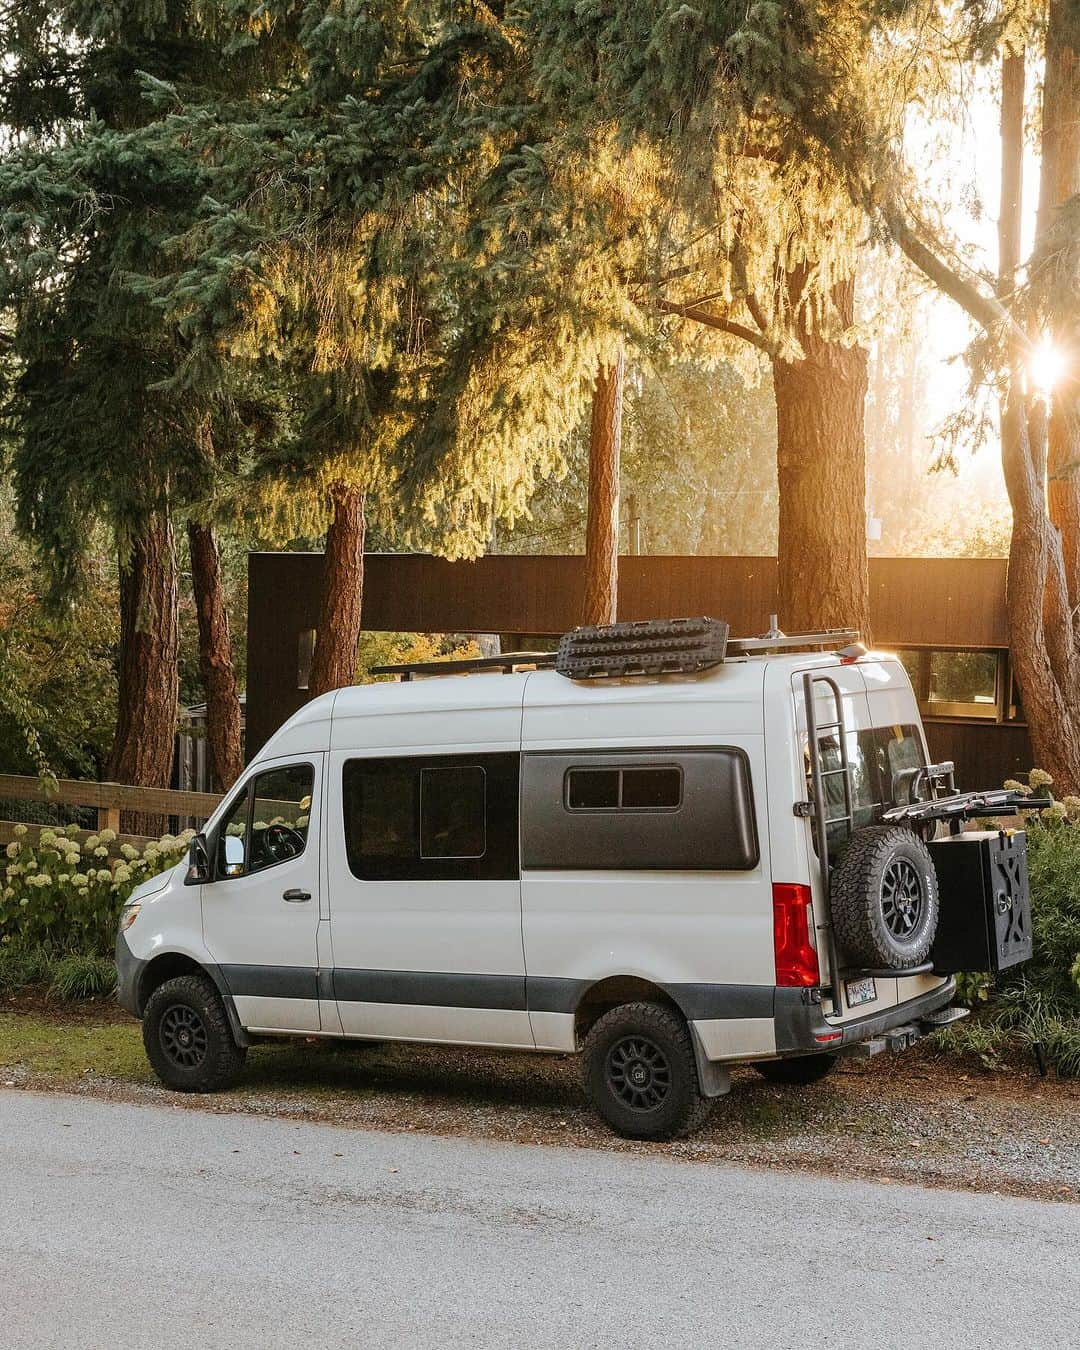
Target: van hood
(152,885)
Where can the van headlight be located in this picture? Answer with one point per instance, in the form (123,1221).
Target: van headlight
(129,914)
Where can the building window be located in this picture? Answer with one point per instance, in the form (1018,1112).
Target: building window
(438,818)
(305,654)
(635,789)
(951,683)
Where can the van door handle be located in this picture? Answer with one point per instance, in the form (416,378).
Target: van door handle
(295,897)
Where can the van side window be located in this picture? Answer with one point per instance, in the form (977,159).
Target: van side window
(268,823)
(432,818)
(664,810)
(453,812)
(632,789)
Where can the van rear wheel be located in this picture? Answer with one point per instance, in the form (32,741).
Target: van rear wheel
(800,1071)
(640,1073)
(187,1036)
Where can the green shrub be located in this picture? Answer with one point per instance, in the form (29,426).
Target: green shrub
(64,896)
(20,966)
(78,977)
(1038,1003)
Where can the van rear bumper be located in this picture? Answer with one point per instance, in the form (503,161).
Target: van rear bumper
(801,1027)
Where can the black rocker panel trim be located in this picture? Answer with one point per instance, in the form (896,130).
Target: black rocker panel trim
(271,981)
(507,993)
(431,989)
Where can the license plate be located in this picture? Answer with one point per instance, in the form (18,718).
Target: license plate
(860,991)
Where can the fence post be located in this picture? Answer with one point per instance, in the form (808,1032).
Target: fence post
(108,818)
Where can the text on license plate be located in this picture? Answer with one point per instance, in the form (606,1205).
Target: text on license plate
(860,991)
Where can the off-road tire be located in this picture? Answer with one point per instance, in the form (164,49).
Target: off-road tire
(654,1041)
(884,861)
(799,1071)
(187,1036)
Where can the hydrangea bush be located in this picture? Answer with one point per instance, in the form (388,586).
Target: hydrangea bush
(65,895)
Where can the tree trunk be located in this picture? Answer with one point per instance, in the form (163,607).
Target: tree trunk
(821,477)
(148,675)
(215,656)
(338,634)
(1059,181)
(1044,637)
(600,603)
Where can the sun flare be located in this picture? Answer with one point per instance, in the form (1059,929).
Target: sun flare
(1046,365)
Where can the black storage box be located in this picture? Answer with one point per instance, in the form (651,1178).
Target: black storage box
(985,921)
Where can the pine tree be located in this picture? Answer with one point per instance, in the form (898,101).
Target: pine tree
(88,204)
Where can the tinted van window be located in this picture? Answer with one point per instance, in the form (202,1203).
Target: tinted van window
(425,818)
(669,810)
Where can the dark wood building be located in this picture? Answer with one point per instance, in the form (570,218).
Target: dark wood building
(946,617)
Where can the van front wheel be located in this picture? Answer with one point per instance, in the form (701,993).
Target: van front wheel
(187,1036)
(640,1073)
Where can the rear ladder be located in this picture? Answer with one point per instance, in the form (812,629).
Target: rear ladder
(819,804)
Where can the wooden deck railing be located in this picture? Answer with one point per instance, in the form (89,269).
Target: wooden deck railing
(108,800)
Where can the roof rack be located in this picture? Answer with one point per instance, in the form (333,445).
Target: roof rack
(646,647)
(505,664)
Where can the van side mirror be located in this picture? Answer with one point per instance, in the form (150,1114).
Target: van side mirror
(199,869)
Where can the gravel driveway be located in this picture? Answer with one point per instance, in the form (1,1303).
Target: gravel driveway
(913,1117)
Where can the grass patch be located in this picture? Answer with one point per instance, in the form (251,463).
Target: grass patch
(68,1051)
(79,977)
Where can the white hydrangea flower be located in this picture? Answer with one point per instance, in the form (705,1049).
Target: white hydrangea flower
(19,831)
(107,836)
(127,851)
(32,866)
(83,891)
(101,852)
(47,838)
(23,902)
(64,878)
(12,850)
(71,831)
(1040,778)
(80,879)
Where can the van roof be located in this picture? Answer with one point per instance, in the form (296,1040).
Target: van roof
(737,681)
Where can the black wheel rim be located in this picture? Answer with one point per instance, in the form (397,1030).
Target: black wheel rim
(638,1073)
(902,898)
(183,1036)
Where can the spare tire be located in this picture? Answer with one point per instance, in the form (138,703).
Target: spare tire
(885,899)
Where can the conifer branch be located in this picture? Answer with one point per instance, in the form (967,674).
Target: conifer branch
(987,311)
(717,321)
(753,304)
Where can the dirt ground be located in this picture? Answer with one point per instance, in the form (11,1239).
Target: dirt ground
(921,1117)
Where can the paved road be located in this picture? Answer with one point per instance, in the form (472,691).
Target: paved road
(132,1226)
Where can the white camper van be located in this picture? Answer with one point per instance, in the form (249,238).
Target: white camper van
(668,849)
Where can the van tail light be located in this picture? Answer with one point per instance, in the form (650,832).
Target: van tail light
(796,957)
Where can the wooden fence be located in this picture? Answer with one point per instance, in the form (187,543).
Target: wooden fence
(178,809)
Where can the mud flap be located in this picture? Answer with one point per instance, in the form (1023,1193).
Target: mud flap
(713,1076)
